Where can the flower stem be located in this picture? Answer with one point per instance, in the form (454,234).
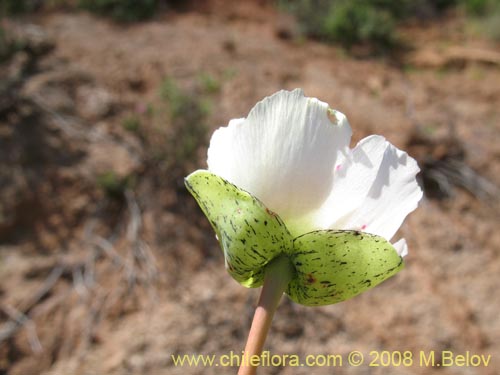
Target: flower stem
(278,274)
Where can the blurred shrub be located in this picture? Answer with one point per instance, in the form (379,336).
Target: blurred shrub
(113,185)
(174,130)
(13,7)
(491,24)
(131,123)
(354,22)
(349,23)
(486,15)
(373,22)
(187,113)
(345,22)
(9,44)
(478,7)
(209,83)
(122,10)
(5,47)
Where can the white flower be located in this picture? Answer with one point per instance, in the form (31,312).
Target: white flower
(292,152)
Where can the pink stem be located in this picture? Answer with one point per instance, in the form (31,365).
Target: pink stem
(279,272)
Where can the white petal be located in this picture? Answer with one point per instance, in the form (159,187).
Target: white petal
(353,178)
(284,153)
(221,147)
(401,247)
(393,194)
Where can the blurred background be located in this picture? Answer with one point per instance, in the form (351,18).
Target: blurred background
(107,266)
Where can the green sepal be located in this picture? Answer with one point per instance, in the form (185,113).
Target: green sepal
(250,234)
(332,266)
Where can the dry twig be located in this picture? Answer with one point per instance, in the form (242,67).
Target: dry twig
(20,317)
(22,320)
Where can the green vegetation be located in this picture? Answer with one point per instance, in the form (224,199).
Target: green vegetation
(209,83)
(349,24)
(491,24)
(174,127)
(9,44)
(13,7)
(478,7)
(119,10)
(131,123)
(484,16)
(4,45)
(113,185)
(187,114)
(229,73)
(122,10)
(352,23)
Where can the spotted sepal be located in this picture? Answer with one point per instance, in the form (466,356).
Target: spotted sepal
(250,234)
(332,266)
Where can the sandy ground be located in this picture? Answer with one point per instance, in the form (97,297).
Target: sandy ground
(118,286)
